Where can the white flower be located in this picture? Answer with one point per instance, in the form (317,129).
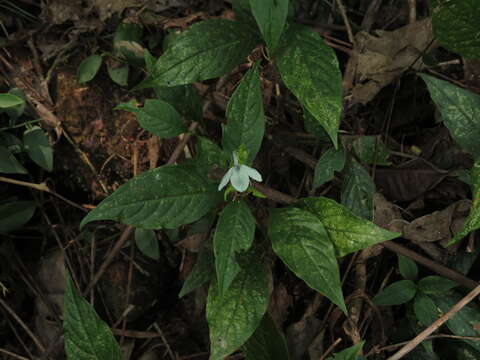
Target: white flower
(239,176)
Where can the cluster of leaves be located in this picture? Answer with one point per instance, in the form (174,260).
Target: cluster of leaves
(13,213)
(308,236)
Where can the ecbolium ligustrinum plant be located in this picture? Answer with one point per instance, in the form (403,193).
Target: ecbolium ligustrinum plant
(239,176)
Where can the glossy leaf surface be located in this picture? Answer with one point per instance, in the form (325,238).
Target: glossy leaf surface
(168,196)
(156,116)
(245,116)
(358,189)
(302,242)
(330,161)
(205,50)
(38,147)
(310,70)
(234,315)
(270,16)
(397,293)
(8,163)
(234,233)
(147,243)
(203,271)
(10,100)
(87,337)
(460,112)
(13,215)
(88,68)
(347,231)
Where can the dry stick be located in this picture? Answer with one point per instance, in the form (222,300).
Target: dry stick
(23,325)
(330,349)
(412,13)
(123,239)
(181,145)
(345,20)
(439,269)
(425,333)
(12,355)
(41,187)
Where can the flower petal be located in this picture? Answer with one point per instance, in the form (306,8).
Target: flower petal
(254,174)
(225,179)
(240,180)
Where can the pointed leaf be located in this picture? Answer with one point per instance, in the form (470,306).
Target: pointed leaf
(88,68)
(435,285)
(14,215)
(119,75)
(371,150)
(205,50)
(10,100)
(147,243)
(347,232)
(234,233)
(472,222)
(358,189)
(351,353)
(234,316)
(87,337)
(460,112)
(302,242)
(397,293)
(38,147)
(270,16)
(267,342)
(455,25)
(184,99)
(203,271)
(168,196)
(425,309)
(310,70)
(331,160)
(245,116)
(8,163)
(408,268)
(156,116)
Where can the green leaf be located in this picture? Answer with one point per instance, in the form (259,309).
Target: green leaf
(332,160)
(351,353)
(203,271)
(183,98)
(267,342)
(87,337)
(10,100)
(38,147)
(156,116)
(168,196)
(425,309)
(8,163)
(126,42)
(397,293)
(435,285)
(234,316)
(15,112)
(245,116)
(270,16)
(205,50)
(408,268)
(313,127)
(472,222)
(358,189)
(234,233)
(348,232)
(88,68)
(14,215)
(371,150)
(119,75)
(210,154)
(455,25)
(310,70)
(460,111)
(302,242)
(147,242)
(464,322)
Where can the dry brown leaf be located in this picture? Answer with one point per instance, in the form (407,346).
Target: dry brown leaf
(384,57)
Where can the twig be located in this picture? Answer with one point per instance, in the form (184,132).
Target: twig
(23,325)
(439,322)
(432,265)
(121,241)
(330,349)
(12,355)
(343,12)
(412,11)
(181,145)
(167,345)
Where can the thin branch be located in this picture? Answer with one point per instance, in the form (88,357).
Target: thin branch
(439,322)
(343,12)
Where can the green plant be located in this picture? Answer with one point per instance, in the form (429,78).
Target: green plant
(310,234)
